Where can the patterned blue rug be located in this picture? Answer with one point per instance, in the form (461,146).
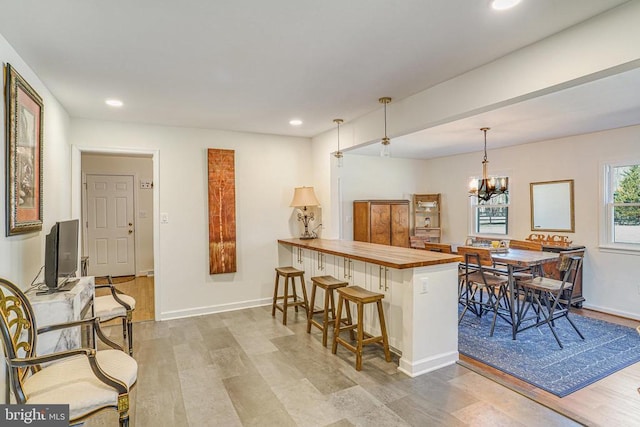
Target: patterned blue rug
(536,358)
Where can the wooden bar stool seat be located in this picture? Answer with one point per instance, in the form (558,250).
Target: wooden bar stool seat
(328,284)
(360,297)
(289,300)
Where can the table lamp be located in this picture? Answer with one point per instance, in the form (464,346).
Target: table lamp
(304,197)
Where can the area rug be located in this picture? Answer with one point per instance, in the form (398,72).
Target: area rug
(536,358)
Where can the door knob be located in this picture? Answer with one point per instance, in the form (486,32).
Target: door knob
(130,231)
(130,224)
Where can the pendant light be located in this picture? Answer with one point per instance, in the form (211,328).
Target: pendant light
(338,154)
(385,151)
(486,189)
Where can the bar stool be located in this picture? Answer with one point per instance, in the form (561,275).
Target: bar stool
(289,272)
(360,297)
(328,283)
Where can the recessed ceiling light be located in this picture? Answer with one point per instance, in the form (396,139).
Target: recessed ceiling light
(504,4)
(295,122)
(114,103)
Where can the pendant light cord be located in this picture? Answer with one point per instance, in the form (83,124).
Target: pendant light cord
(485,143)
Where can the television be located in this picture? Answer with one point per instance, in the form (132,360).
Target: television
(61,255)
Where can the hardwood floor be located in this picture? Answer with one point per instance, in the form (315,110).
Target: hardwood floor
(244,368)
(614,400)
(141,289)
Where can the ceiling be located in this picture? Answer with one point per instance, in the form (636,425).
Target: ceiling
(607,103)
(253,65)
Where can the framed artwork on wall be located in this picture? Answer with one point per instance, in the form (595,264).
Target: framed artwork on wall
(222,211)
(23,134)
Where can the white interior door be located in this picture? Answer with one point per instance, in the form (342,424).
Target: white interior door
(110,227)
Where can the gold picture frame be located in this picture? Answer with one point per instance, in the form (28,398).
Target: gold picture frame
(24,114)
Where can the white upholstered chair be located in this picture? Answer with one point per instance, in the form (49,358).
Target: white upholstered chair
(116,305)
(85,379)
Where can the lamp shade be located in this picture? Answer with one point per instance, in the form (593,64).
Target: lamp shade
(304,196)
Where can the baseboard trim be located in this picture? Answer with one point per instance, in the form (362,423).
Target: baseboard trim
(611,311)
(428,364)
(212,309)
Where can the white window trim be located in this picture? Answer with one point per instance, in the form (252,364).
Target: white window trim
(606,243)
(471,216)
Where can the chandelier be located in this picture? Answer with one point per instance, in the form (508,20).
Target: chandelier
(487,188)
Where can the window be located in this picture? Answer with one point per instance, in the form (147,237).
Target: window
(622,205)
(490,217)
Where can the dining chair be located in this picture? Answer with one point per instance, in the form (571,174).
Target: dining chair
(86,379)
(116,305)
(525,244)
(437,247)
(550,299)
(479,276)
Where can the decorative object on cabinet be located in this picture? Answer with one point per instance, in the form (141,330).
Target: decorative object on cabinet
(24,135)
(222,211)
(303,197)
(338,154)
(385,151)
(487,188)
(552,206)
(381,221)
(550,240)
(426,217)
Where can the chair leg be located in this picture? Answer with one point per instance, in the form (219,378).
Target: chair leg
(130,333)
(383,331)
(285,301)
(304,294)
(574,326)
(336,329)
(275,295)
(312,303)
(360,337)
(123,410)
(325,317)
(295,295)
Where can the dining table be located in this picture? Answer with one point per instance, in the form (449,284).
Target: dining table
(520,260)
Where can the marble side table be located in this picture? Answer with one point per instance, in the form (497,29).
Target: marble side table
(62,307)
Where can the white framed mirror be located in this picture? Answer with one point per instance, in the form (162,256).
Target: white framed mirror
(552,206)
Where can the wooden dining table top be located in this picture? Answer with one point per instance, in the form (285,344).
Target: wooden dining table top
(524,258)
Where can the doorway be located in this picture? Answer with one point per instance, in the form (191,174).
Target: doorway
(118,205)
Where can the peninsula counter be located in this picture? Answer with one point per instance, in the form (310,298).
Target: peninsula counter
(420,288)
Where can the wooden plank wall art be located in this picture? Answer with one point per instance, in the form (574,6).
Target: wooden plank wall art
(222,211)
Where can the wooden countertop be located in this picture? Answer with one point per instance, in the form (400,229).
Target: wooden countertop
(388,256)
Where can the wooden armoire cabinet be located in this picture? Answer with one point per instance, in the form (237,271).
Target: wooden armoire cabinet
(381,221)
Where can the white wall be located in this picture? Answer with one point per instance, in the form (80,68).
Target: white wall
(22,256)
(367,177)
(267,170)
(142,169)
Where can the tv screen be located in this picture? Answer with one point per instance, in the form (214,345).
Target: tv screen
(61,253)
